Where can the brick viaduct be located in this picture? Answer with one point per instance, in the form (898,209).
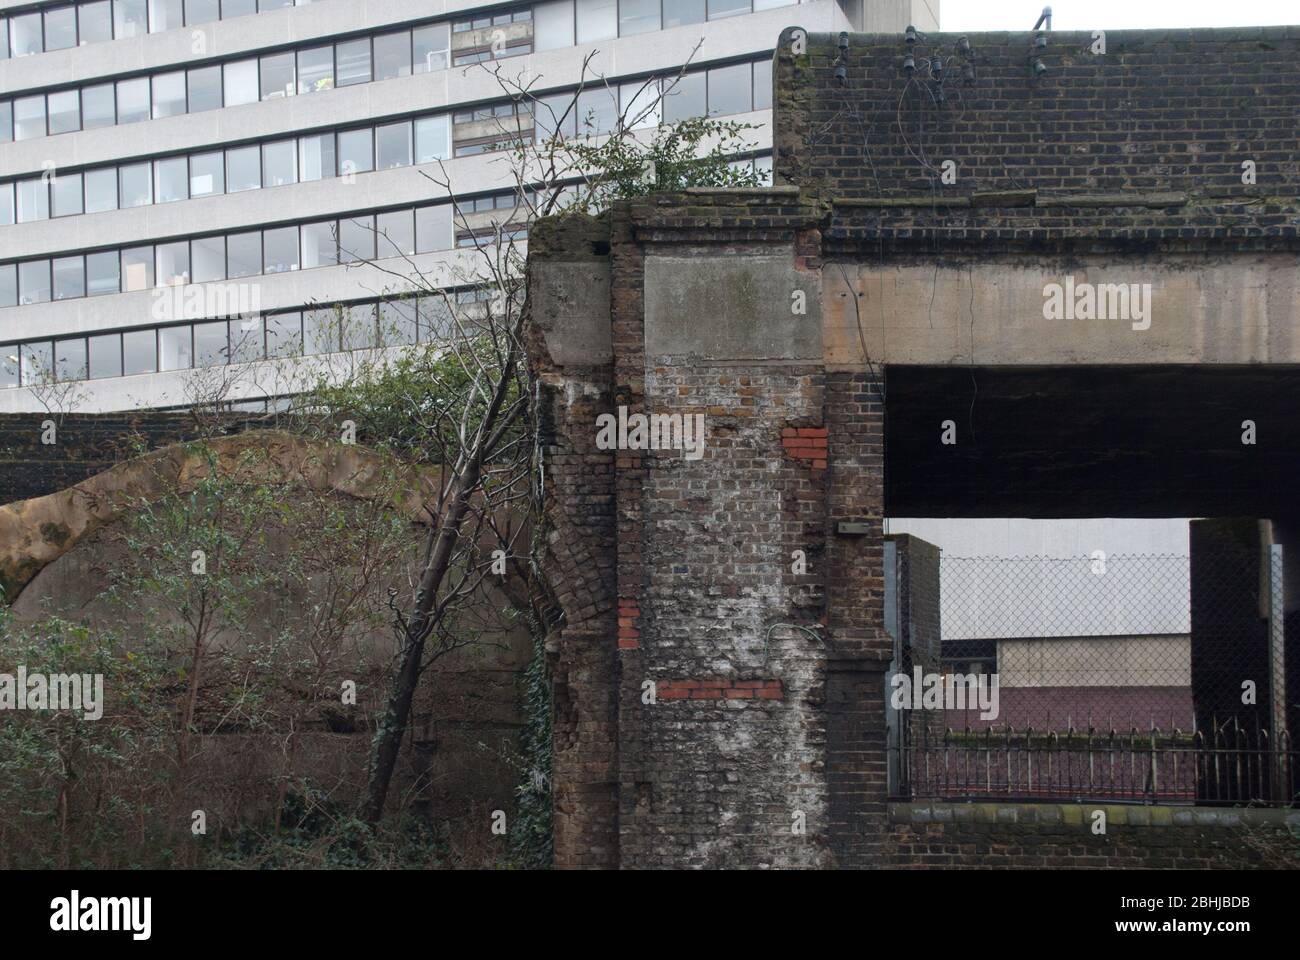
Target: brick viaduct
(825,328)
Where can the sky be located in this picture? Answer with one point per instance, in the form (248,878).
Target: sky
(1115,14)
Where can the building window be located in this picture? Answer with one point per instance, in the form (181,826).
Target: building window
(134,185)
(207,174)
(247,342)
(243,169)
(433,228)
(284,335)
(66,195)
(137,268)
(130,18)
(244,254)
(596,19)
(678,13)
(319,245)
(25,34)
(175,348)
(33,200)
(393,55)
(316,160)
(29,118)
(70,359)
(393,145)
(202,11)
(171,179)
(685,97)
(397,322)
(280,250)
(727,8)
(353,58)
(320,331)
(69,277)
(139,352)
(356,151)
(211,344)
(279,163)
(101,189)
(95,21)
(102,273)
(173,263)
(60,28)
(395,233)
(133,100)
(169,94)
(240,82)
(432,139)
(356,239)
(315,69)
(208,259)
(429,48)
(105,356)
(98,107)
(204,88)
(37,363)
(277,76)
(34,281)
(731,89)
(637,16)
(165,15)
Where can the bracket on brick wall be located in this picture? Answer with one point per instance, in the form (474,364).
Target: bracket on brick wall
(852,528)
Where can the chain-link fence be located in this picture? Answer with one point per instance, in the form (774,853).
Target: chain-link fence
(1090,678)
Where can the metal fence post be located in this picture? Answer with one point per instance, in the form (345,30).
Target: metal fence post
(1277,668)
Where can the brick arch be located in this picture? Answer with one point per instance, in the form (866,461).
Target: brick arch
(36,532)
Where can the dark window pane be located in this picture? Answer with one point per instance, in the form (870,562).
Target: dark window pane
(679,12)
(130,18)
(315,69)
(207,174)
(101,189)
(320,331)
(429,48)
(277,76)
(393,55)
(237,8)
(171,180)
(102,273)
(98,106)
(685,99)
(37,363)
(316,157)
(33,200)
(763,85)
(105,356)
(433,228)
(169,94)
(8,353)
(204,86)
(284,335)
(730,89)
(727,8)
(137,268)
(208,259)
(243,169)
(29,118)
(246,340)
(356,239)
(174,348)
(397,322)
(202,11)
(134,185)
(69,278)
(6,204)
(70,359)
(133,100)
(60,28)
(396,235)
(6,121)
(637,16)
(280,250)
(139,352)
(8,284)
(393,145)
(244,254)
(279,164)
(597,111)
(319,245)
(65,195)
(34,281)
(356,151)
(95,21)
(211,346)
(358,331)
(65,112)
(165,15)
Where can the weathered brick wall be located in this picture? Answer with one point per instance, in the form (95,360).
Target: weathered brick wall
(1161,110)
(1034,836)
(85,444)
